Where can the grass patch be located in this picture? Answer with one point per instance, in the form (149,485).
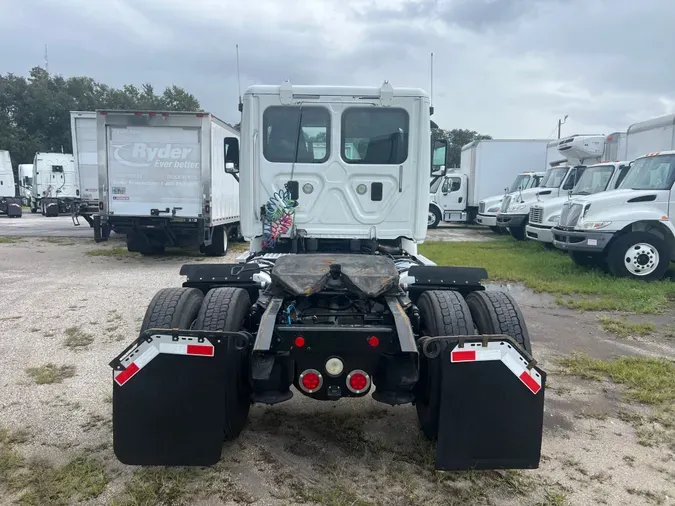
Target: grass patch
(50,373)
(63,241)
(77,339)
(108,252)
(623,328)
(158,486)
(551,271)
(10,240)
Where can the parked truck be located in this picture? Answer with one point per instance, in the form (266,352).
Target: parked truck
(10,204)
(604,176)
(332,298)
(630,230)
(578,151)
(489,207)
(162,181)
(25,182)
(486,168)
(56,187)
(83,133)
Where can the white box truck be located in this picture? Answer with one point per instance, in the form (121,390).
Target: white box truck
(631,229)
(162,181)
(486,168)
(83,132)
(56,186)
(10,204)
(25,182)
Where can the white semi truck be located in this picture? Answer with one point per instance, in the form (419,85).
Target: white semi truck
(25,182)
(332,298)
(162,181)
(84,138)
(631,229)
(10,204)
(486,168)
(56,186)
(577,150)
(604,176)
(489,207)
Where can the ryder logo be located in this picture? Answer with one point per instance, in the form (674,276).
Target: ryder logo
(141,154)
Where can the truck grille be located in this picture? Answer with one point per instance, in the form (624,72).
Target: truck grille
(570,214)
(505,204)
(481,207)
(536,215)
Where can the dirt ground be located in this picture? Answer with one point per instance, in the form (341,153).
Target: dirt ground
(61,306)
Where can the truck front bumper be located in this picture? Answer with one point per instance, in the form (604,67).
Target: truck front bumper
(539,233)
(590,241)
(511,220)
(488,220)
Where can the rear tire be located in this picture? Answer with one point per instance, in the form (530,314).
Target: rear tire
(497,230)
(219,243)
(442,313)
(225,309)
(172,308)
(434,217)
(498,313)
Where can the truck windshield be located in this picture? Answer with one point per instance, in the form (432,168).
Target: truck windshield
(593,180)
(651,173)
(520,183)
(554,178)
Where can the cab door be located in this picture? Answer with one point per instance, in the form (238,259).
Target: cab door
(453,193)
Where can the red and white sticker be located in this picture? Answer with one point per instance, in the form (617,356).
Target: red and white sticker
(144,352)
(505,353)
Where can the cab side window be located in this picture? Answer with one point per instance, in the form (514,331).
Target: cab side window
(623,170)
(451,184)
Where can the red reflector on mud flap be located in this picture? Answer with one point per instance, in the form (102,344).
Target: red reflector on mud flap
(126,375)
(198,349)
(463,356)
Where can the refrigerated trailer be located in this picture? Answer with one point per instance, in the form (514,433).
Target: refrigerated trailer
(83,132)
(162,181)
(10,204)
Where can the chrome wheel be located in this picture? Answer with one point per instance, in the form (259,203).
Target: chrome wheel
(641,259)
(431,219)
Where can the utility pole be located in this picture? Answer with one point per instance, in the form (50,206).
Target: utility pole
(561,122)
(46,60)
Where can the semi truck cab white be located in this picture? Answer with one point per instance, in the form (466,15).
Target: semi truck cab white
(56,186)
(332,298)
(604,176)
(631,229)
(488,208)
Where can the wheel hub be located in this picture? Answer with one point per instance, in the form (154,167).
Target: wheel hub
(431,218)
(641,259)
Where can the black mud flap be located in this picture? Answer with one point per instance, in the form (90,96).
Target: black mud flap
(492,408)
(168,398)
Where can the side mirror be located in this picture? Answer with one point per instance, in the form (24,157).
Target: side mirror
(231,145)
(439,154)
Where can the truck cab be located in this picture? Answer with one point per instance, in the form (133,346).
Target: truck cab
(603,176)
(56,186)
(629,229)
(489,207)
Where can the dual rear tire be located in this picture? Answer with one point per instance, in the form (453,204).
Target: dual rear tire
(447,313)
(222,309)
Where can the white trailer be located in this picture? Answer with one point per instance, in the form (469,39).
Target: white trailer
(9,203)
(656,134)
(56,187)
(25,181)
(162,181)
(83,132)
(487,167)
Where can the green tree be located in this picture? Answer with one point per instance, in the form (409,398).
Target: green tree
(457,137)
(35,111)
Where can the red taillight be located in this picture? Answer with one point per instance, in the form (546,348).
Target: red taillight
(299,342)
(200,115)
(165,114)
(311,380)
(358,381)
(152,114)
(373,341)
(138,113)
(103,113)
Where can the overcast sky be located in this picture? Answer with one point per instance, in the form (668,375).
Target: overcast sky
(508,68)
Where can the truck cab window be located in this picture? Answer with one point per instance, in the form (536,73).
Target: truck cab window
(622,174)
(451,184)
(573,178)
(296,134)
(374,136)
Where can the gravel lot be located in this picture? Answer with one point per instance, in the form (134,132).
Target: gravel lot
(56,297)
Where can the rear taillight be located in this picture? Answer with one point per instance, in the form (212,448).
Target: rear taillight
(311,380)
(358,381)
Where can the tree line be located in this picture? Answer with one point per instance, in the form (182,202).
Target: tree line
(35,111)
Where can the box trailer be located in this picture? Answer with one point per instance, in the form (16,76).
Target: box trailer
(487,167)
(162,181)
(656,134)
(83,132)
(10,204)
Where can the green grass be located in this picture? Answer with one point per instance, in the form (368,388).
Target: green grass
(622,328)
(50,373)
(108,252)
(76,338)
(158,486)
(551,271)
(10,240)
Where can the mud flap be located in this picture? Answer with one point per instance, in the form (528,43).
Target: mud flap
(492,408)
(168,398)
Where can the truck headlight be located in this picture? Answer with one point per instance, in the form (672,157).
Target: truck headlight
(554,218)
(594,225)
(493,209)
